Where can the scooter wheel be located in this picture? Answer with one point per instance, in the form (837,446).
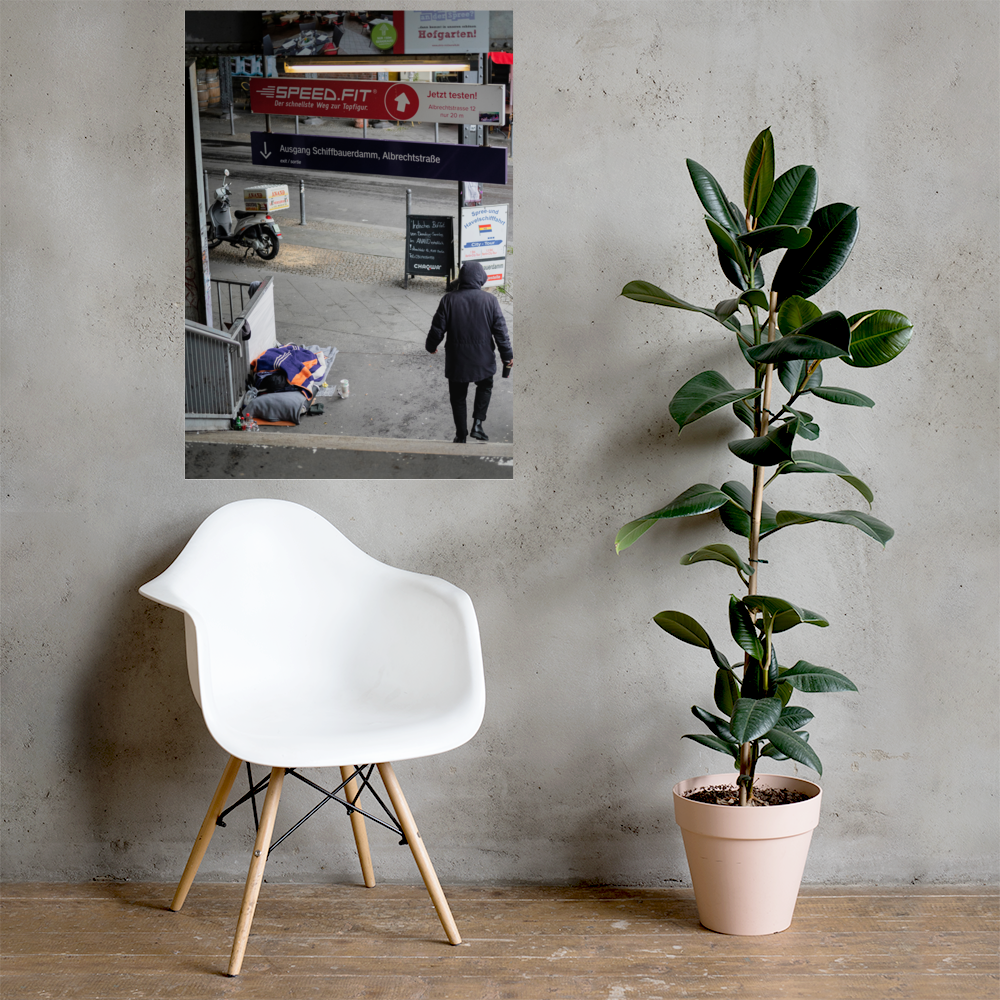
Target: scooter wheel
(212,244)
(268,248)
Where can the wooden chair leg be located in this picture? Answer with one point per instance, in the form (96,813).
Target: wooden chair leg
(420,854)
(256,874)
(358,826)
(205,833)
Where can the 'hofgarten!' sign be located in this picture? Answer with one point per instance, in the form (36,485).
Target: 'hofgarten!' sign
(432,160)
(439,31)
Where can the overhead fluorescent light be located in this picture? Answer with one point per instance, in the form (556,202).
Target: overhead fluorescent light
(375,64)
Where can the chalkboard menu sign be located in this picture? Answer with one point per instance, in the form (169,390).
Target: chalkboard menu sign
(430,245)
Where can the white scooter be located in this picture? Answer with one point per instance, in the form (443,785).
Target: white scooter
(255,231)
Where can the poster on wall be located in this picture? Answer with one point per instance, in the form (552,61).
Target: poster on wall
(436,32)
(483,233)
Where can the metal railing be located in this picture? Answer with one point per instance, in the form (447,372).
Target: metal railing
(215,365)
(229,300)
(217,358)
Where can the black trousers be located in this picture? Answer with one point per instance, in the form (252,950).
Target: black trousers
(458,393)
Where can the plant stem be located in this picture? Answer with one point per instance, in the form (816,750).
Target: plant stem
(746,750)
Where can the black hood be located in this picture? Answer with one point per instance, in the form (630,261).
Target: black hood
(472,275)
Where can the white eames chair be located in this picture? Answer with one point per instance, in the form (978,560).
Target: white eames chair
(304,651)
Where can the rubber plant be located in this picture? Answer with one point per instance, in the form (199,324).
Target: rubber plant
(785,338)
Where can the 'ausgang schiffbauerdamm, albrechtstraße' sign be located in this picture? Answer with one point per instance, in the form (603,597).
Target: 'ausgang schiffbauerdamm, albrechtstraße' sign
(458,103)
(444,161)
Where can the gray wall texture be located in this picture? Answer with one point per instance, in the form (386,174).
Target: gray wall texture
(107,767)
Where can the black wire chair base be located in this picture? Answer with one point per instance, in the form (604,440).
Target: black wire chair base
(362,776)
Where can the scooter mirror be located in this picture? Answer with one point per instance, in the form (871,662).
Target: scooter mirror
(226,172)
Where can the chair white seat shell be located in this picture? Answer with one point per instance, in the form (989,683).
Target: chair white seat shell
(305,651)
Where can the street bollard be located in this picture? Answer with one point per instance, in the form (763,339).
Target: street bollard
(409,206)
(302,202)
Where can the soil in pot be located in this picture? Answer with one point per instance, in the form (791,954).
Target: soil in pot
(729,795)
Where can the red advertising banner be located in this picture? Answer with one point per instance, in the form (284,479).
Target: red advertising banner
(458,103)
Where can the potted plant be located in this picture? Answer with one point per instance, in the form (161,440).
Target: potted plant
(785,338)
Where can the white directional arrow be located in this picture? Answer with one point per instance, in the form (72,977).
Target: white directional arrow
(401,102)
(265,154)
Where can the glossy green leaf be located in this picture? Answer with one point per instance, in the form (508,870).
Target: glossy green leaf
(795,312)
(754,297)
(726,308)
(775,238)
(771,448)
(645,291)
(727,244)
(805,271)
(808,677)
(632,531)
(753,718)
(718,553)
(704,393)
(744,413)
(794,717)
(714,743)
(732,271)
(754,685)
(727,691)
(878,337)
(758,173)
(871,526)
(720,727)
(741,625)
(736,515)
(793,198)
(847,397)
(795,377)
(794,746)
(809,431)
(683,627)
(738,493)
(829,336)
(816,461)
(711,195)
(774,607)
(720,661)
(698,499)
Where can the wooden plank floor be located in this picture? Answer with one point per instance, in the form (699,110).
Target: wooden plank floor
(104,941)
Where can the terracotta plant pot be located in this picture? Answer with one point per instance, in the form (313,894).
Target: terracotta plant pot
(746,863)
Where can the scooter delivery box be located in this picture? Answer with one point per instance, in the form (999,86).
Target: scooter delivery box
(266,198)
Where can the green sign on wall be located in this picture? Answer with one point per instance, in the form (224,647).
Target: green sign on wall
(383,35)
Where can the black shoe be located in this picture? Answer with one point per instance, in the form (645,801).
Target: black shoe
(458,440)
(477,431)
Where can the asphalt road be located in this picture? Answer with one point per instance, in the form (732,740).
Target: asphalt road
(374,200)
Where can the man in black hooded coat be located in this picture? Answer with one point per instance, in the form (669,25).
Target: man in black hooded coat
(472,322)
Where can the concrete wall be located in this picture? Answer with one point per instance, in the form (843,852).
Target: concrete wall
(107,766)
